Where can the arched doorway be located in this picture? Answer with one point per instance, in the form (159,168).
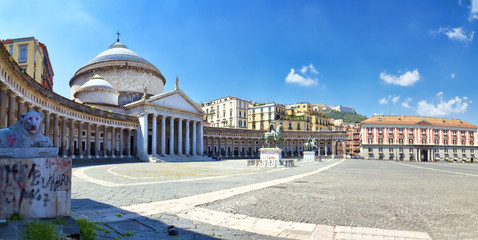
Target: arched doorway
(322,151)
(339,147)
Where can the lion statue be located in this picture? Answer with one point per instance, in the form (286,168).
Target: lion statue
(25,133)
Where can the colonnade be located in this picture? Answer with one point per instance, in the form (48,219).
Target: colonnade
(248,146)
(74,137)
(173,136)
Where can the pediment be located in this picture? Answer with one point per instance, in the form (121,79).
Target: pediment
(176,100)
(423,122)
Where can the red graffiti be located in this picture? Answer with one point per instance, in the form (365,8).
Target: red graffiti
(11,139)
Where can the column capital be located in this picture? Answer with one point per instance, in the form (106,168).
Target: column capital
(155,115)
(143,114)
(21,100)
(172,118)
(12,94)
(3,87)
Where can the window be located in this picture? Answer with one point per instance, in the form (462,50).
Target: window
(369,129)
(390,140)
(370,140)
(445,141)
(410,130)
(423,141)
(436,131)
(379,129)
(380,141)
(454,142)
(262,110)
(380,150)
(423,130)
(390,150)
(370,150)
(298,126)
(445,131)
(410,150)
(400,141)
(400,150)
(436,141)
(454,132)
(11,49)
(240,123)
(463,150)
(390,130)
(23,53)
(446,150)
(462,142)
(400,130)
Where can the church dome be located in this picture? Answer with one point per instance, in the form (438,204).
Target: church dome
(125,71)
(118,51)
(98,91)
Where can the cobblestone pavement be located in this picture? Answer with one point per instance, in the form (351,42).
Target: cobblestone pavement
(437,198)
(228,200)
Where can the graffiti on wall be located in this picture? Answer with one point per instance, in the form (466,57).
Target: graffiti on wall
(39,185)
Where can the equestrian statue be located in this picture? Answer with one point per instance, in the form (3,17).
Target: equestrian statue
(310,145)
(273,135)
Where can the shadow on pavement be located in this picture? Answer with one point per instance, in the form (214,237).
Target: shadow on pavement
(117,223)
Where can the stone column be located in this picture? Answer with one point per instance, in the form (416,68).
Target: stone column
(72,141)
(171,136)
(113,142)
(334,148)
(194,138)
(219,146)
(63,136)
(105,141)
(121,143)
(163,135)
(128,142)
(21,103)
(180,136)
(187,143)
(97,141)
(80,139)
(87,140)
(29,107)
(154,143)
(46,125)
(3,107)
(143,122)
(201,139)
(55,131)
(11,108)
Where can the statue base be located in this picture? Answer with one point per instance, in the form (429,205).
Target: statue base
(270,157)
(35,187)
(34,152)
(309,156)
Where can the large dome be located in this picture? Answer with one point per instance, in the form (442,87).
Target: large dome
(97,91)
(118,51)
(126,71)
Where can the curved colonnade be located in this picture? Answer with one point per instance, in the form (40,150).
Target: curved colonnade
(242,143)
(77,130)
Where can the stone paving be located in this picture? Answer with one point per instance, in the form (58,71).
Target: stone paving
(336,199)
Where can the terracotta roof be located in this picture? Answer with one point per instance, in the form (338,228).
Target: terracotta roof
(412,120)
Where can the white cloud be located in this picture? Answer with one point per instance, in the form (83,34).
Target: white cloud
(306,79)
(474,10)
(454,105)
(406,79)
(384,100)
(406,103)
(311,68)
(452,76)
(293,77)
(457,34)
(395,99)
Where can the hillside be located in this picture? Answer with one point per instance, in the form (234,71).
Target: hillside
(347,117)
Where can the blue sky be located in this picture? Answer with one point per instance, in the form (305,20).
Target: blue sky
(401,57)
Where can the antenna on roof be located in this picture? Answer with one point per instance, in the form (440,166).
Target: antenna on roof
(118,33)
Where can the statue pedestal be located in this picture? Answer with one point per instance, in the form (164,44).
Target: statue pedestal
(270,157)
(309,156)
(36,187)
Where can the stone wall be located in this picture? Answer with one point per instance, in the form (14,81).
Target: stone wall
(35,187)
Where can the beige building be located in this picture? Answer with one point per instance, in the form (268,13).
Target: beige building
(228,112)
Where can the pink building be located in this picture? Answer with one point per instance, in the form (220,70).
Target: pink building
(410,138)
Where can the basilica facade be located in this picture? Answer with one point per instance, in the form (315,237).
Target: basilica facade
(118,108)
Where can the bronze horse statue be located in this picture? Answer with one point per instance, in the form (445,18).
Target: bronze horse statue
(273,134)
(310,145)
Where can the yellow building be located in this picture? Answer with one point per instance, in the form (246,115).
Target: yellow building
(32,56)
(295,117)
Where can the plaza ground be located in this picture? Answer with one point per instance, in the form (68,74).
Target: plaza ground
(334,199)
